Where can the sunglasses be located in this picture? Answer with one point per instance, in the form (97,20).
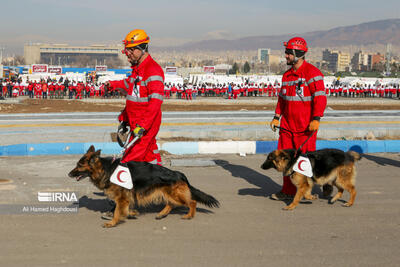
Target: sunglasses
(289,52)
(127,50)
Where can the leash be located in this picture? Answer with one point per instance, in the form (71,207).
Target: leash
(129,144)
(312,133)
(125,146)
(289,131)
(292,133)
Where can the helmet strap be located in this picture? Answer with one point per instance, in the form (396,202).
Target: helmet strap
(142,54)
(296,58)
(142,50)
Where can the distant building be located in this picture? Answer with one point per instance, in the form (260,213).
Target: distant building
(377,59)
(325,55)
(343,62)
(63,54)
(336,60)
(263,54)
(359,61)
(365,62)
(272,59)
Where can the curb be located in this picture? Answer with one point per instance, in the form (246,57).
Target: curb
(203,147)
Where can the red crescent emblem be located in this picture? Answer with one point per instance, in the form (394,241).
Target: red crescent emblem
(299,165)
(118,176)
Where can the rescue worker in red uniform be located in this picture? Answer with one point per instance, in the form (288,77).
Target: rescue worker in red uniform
(301,104)
(144,91)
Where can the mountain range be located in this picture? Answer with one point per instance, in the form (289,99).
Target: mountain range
(370,33)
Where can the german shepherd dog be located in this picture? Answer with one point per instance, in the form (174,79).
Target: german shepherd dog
(329,166)
(152,184)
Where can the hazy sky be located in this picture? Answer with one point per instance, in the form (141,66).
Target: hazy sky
(173,22)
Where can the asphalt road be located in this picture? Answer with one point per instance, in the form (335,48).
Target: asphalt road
(248,229)
(221,125)
(189,116)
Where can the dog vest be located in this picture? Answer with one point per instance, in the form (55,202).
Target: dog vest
(122,177)
(303,166)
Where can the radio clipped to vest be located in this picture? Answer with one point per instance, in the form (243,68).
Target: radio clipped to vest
(135,90)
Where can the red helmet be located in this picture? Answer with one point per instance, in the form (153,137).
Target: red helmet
(297,43)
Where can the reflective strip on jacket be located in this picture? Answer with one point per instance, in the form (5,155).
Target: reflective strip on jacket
(144,91)
(302,97)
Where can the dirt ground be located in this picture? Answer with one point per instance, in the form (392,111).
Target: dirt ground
(200,104)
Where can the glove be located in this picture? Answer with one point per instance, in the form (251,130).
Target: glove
(274,123)
(138,131)
(121,133)
(123,127)
(314,125)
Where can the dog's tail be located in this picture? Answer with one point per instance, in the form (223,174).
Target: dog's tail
(354,155)
(203,198)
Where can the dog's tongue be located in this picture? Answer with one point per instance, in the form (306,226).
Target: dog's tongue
(79,177)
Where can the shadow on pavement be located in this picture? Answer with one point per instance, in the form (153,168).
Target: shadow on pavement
(266,186)
(99,205)
(103,205)
(177,210)
(382,161)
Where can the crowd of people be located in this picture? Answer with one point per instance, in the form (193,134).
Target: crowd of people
(191,91)
(66,89)
(363,90)
(53,89)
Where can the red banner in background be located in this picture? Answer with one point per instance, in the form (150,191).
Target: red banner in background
(171,70)
(100,68)
(55,69)
(209,69)
(40,68)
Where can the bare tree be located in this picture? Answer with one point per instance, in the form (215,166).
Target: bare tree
(82,61)
(19,60)
(114,62)
(380,67)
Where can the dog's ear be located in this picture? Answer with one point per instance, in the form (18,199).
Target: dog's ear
(91,149)
(98,152)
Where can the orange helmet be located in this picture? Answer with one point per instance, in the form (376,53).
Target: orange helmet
(135,38)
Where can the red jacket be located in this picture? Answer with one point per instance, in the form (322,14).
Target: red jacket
(44,87)
(38,87)
(145,92)
(301,98)
(79,88)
